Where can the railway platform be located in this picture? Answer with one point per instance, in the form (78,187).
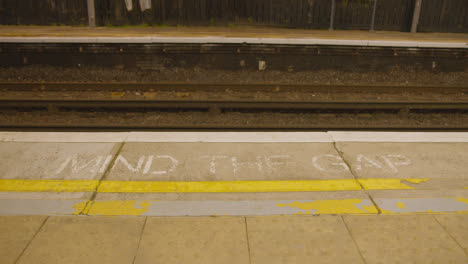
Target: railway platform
(237,34)
(158,49)
(233,197)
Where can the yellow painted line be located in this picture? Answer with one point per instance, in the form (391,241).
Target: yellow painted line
(228,186)
(204,186)
(389,184)
(48,185)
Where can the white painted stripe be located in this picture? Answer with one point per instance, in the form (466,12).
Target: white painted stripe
(399,136)
(234,137)
(229,137)
(79,137)
(164,137)
(236,40)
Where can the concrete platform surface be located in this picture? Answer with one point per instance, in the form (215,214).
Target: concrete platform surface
(237,174)
(237,34)
(237,240)
(253,197)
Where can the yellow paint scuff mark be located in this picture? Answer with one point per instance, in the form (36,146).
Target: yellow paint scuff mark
(370,208)
(87,207)
(118,208)
(79,207)
(347,206)
(386,211)
(48,185)
(401,205)
(388,184)
(416,180)
(281,205)
(461,199)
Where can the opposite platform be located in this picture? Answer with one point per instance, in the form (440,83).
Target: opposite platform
(236,35)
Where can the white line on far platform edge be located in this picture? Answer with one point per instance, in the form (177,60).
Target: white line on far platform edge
(234,137)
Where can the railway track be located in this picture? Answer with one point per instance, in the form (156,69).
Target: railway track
(265,106)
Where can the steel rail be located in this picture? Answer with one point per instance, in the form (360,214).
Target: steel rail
(231,106)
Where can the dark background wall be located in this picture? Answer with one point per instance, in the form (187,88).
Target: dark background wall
(436,15)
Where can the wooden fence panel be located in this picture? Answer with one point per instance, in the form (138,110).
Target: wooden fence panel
(353,14)
(72,12)
(8,14)
(27,12)
(444,16)
(114,12)
(436,15)
(394,15)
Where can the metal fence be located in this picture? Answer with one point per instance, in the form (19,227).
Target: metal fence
(435,15)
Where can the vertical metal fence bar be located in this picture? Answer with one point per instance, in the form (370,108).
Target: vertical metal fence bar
(416,14)
(91,13)
(373,16)
(332,15)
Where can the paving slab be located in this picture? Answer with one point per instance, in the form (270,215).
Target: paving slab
(293,239)
(85,240)
(15,234)
(194,240)
(228,161)
(71,161)
(406,160)
(403,239)
(457,227)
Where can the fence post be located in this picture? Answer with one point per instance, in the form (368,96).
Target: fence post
(91,13)
(373,16)
(416,14)
(332,15)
